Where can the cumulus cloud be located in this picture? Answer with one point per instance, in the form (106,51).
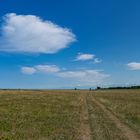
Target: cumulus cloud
(134,66)
(28,70)
(84,57)
(29,33)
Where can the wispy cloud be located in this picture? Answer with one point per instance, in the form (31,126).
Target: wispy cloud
(29,33)
(83,77)
(96,61)
(134,66)
(40,68)
(84,57)
(88,57)
(28,70)
(47,68)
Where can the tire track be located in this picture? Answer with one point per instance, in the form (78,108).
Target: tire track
(84,119)
(128,133)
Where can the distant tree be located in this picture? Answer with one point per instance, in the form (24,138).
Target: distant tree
(75,89)
(98,87)
(90,89)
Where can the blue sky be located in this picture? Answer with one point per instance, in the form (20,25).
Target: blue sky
(67,44)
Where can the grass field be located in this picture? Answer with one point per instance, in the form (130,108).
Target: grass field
(124,103)
(70,115)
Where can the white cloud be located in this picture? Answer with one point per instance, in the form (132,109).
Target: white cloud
(47,68)
(84,76)
(40,68)
(97,60)
(28,70)
(134,66)
(84,57)
(29,33)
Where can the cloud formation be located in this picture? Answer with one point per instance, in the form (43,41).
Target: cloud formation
(28,70)
(88,57)
(47,68)
(29,33)
(40,69)
(134,66)
(97,60)
(84,57)
(83,77)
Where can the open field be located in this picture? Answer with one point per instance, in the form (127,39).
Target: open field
(70,115)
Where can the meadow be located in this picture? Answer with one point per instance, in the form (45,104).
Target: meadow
(70,114)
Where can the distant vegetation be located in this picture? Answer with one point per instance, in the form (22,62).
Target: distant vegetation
(120,87)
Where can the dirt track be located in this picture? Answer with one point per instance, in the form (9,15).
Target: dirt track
(128,133)
(84,118)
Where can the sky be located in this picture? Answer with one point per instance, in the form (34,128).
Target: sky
(51,44)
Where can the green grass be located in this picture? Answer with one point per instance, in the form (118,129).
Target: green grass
(102,128)
(56,115)
(37,115)
(123,103)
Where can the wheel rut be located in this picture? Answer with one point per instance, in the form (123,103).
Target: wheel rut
(124,128)
(84,119)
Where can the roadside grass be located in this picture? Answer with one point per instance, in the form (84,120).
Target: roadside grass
(123,103)
(102,127)
(36,115)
